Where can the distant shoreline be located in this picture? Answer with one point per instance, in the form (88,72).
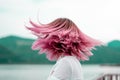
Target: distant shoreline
(110,64)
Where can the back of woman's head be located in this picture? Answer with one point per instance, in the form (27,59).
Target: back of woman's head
(60,38)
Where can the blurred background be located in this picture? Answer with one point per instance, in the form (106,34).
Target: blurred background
(99,19)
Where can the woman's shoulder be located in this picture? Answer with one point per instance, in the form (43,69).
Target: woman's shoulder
(67,59)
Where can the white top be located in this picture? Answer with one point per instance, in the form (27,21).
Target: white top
(66,68)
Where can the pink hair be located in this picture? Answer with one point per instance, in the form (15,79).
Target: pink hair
(62,37)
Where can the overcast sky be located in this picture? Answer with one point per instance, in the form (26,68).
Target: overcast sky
(99,19)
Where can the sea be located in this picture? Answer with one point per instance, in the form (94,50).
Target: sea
(41,72)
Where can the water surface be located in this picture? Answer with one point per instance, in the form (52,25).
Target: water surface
(41,72)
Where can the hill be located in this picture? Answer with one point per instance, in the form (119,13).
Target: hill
(17,50)
(20,50)
(109,54)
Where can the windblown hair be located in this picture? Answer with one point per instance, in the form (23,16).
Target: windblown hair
(60,38)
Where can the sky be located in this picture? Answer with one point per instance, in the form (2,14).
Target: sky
(99,19)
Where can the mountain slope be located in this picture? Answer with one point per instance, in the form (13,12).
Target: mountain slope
(21,49)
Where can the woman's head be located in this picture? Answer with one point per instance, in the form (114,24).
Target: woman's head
(62,37)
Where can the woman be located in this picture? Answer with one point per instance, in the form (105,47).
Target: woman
(61,40)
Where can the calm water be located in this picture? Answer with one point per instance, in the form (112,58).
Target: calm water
(41,72)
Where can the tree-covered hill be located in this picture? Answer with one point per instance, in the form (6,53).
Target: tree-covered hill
(17,50)
(21,51)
